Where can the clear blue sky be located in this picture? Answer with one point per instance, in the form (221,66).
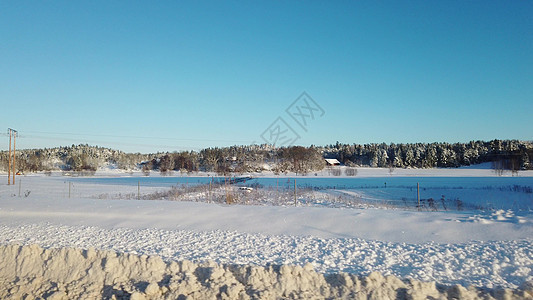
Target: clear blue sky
(198,74)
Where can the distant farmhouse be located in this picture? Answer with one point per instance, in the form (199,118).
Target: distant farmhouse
(332,162)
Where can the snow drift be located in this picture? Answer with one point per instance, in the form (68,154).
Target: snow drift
(33,272)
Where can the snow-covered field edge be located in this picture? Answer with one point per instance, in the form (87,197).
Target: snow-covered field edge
(481,170)
(490,250)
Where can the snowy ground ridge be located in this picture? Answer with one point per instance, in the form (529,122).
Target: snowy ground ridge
(33,272)
(489,264)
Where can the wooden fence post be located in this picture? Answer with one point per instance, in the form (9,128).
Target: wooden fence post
(294,191)
(418,194)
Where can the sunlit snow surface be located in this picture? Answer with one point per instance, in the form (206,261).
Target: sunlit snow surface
(490,247)
(489,264)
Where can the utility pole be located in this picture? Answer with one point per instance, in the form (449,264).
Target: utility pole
(14,151)
(9,159)
(11,166)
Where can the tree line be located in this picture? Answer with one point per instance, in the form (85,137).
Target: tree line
(503,154)
(512,154)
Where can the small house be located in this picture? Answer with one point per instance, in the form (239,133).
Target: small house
(332,162)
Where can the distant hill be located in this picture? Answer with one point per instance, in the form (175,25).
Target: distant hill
(75,157)
(502,154)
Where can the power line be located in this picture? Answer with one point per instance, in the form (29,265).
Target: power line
(115,143)
(77,138)
(139,137)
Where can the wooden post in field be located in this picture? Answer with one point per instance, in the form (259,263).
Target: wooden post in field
(20,184)
(418,194)
(209,192)
(9,159)
(226,188)
(294,191)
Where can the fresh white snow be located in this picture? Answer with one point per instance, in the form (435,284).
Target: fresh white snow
(485,248)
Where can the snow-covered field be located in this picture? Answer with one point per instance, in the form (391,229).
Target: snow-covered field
(486,246)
